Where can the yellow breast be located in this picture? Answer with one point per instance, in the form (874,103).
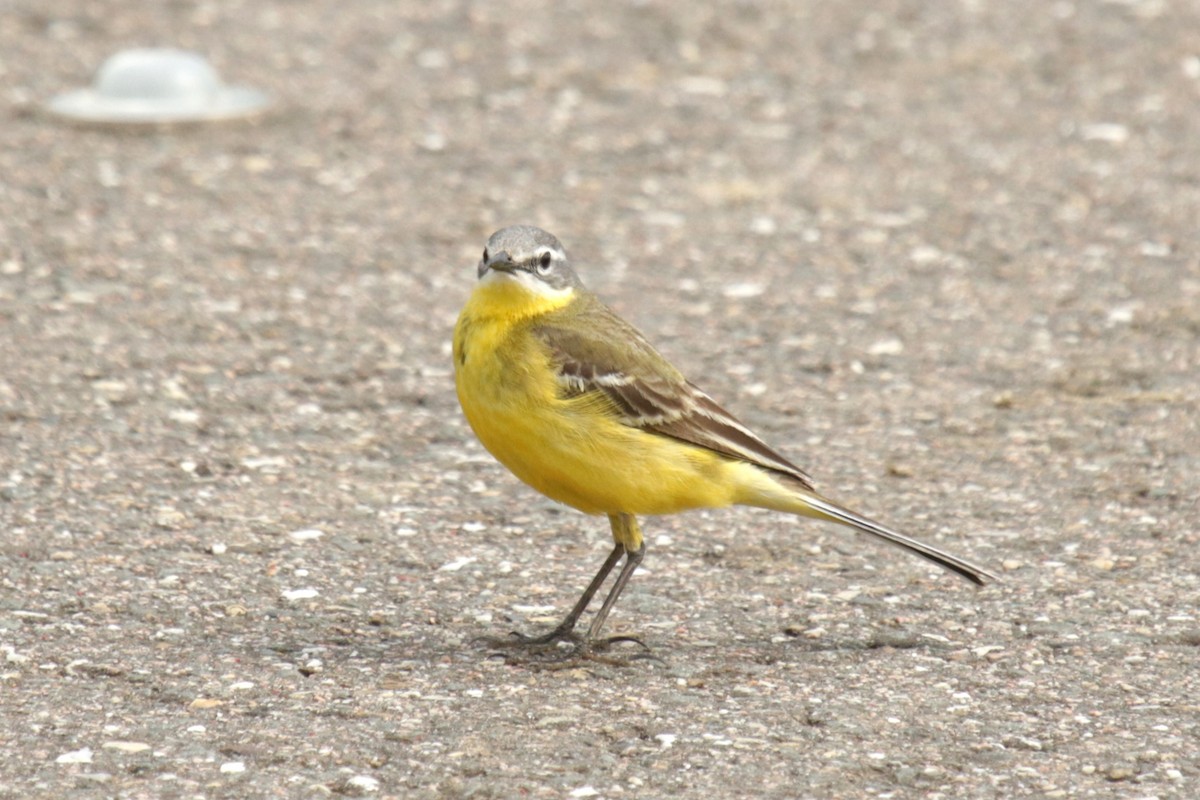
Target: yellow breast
(571,449)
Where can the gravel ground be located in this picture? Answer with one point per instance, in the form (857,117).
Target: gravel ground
(944,255)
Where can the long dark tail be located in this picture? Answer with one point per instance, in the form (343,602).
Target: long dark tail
(821,508)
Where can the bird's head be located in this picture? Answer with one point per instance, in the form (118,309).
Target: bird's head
(530,259)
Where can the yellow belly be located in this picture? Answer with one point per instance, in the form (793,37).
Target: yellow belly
(571,449)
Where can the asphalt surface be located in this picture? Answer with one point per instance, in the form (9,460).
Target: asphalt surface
(943,255)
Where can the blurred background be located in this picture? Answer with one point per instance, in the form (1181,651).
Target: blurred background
(943,255)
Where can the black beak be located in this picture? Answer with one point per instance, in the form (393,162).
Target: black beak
(501,262)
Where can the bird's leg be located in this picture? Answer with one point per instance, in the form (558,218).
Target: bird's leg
(628,536)
(629,543)
(566,628)
(632,559)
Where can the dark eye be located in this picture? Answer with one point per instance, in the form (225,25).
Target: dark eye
(543,264)
(485,255)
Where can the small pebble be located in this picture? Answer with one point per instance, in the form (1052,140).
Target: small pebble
(305,535)
(743,291)
(886,347)
(363,783)
(81,756)
(1121,773)
(1111,132)
(205,702)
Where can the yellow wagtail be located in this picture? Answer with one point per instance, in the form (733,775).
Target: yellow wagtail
(581,407)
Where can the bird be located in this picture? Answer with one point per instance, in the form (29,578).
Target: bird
(576,403)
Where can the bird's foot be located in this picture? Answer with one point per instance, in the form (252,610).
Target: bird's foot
(560,636)
(563,649)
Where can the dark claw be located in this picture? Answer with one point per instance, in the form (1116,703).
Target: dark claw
(621,640)
(548,650)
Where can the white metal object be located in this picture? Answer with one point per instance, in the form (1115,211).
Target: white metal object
(158,85)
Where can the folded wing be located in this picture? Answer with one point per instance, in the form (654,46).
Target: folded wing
(646,392)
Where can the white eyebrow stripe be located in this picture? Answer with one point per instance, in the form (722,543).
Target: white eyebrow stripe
(546,248)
